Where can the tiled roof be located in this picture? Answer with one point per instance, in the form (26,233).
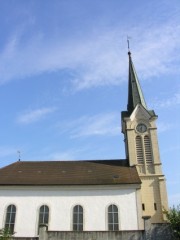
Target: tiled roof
(135,94)
(69,173)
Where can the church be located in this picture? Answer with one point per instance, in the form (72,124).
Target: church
(97,195)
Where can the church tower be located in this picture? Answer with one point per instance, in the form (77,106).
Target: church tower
(141,143)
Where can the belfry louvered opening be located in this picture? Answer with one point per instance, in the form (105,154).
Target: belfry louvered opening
(148,153)
(139,150)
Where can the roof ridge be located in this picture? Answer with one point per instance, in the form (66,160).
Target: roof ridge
(87,160)
(9,165)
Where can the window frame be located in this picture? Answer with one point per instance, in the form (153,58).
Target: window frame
(79,224)
(113,213)
(44,213)
(10,222)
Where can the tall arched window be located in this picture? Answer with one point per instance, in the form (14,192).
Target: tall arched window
(78,218)
(44,215)
(139,150)
(148,153)
(10,218)
(113,221)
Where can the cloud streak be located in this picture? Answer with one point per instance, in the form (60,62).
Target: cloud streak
(34,115)
(163,127)
(168,102)
(98,125)
(96,60)
(67,155)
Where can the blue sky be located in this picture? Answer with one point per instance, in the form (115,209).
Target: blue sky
(64,72)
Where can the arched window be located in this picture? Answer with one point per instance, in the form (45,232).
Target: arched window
(44,215)
(139,150)
(113,222)
(148,153)
(10,218)
(78,218)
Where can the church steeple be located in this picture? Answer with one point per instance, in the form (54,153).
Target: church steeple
(135,94)
(141,145)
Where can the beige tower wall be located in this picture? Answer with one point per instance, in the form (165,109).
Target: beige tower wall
(153,187)
(151,198)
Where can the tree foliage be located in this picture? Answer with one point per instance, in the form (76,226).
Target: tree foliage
(5,234)
(173,217)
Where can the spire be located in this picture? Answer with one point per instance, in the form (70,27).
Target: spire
(135,94)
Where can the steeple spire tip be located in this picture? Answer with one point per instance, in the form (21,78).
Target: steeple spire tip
(129,52)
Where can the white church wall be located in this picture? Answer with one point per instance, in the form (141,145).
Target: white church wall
(61,200)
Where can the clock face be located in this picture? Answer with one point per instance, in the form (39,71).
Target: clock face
(141,128)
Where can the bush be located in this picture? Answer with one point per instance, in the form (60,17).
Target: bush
(5,234)
(173,217)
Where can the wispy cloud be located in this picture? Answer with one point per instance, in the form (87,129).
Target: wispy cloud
(70,154)
(61,152)
(63,155)
(168,102)
(34,115)
(99,125)
(96,60)
(163,127)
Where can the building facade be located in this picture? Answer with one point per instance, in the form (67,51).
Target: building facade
(58,206)
(109,195)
